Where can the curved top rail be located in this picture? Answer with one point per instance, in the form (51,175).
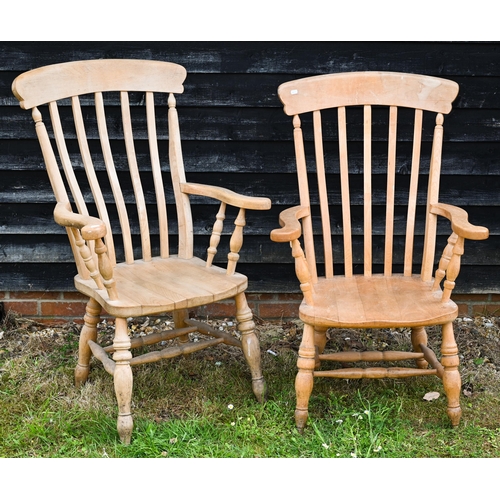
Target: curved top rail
(368,88)
(60,81)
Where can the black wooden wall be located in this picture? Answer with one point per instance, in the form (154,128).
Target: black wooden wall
(236,134)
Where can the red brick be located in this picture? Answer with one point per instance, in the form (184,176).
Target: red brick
(62,308)
(25,307)
(493,309)
(217,310)
(262,296)
(35,295)
(255,296)
(278,310)
(75,296)
(289,297)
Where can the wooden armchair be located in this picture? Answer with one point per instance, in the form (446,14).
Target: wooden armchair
(114,192)
(367,183)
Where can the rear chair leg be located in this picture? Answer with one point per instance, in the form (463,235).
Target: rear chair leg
(180,317)
(451,376)
(305,379)
(419,336)
(123,380)
(89,332)
(320,338)
(250,345)
(320,343)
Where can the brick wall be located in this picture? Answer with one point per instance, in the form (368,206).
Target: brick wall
(61,307)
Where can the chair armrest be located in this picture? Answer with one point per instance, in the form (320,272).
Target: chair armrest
(91,228)
(227,196)
(290,225)
(459,221)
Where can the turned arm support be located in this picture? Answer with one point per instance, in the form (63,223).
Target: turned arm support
(459,221)
(449,264)
(227,197)
(87,228)
(291,231)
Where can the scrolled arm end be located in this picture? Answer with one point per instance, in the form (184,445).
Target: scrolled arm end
(290,224)
(459,221)
(91,228)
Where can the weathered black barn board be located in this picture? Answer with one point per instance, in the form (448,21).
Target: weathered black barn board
(236,134)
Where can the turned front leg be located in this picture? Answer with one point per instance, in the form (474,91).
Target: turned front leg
(89,332)
(250,345)
(305,378)
(123,380)
(451,375)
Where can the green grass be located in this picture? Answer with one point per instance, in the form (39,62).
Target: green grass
(202,406)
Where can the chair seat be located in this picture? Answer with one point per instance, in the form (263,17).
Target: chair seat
(376,302)
(164,285)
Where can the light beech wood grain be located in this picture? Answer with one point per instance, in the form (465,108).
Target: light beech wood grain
(333,299)
(153,284)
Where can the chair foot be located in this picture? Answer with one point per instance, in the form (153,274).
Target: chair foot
(81,375)
(454,414)
(259,388)
(125,425)
(301,419)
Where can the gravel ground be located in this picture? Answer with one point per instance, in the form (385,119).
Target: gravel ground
(478,341)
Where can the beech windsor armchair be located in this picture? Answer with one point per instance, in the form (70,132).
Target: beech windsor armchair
(385,295)
(112,271)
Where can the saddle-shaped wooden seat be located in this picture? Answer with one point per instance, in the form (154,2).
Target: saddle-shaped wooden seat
(376,302)
(146,291)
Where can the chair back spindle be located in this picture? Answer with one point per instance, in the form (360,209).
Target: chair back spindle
(136,179)
(412,197)
(344,186)
(157,176)
(323,195)
(367,190)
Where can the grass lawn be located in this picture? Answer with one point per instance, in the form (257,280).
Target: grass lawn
(202,406)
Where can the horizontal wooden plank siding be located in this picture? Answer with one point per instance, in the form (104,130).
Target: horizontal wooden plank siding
(235,134)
